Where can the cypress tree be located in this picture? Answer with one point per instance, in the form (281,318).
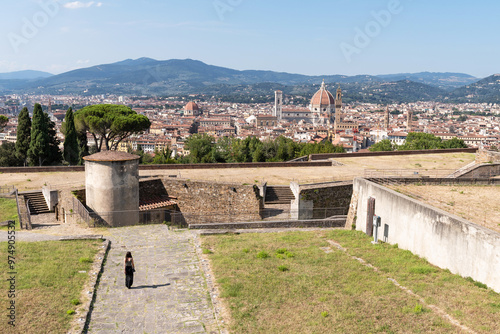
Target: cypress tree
(23,135)
(39,144)
(54,155)
(83,147)
(71,149)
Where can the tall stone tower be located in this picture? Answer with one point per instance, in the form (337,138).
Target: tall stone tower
(338,107)
(386,118)
(112,186)
(278,104)
(409,120)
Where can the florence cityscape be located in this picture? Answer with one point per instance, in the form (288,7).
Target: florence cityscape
(250,166)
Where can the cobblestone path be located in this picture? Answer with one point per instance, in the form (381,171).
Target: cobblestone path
(169,294)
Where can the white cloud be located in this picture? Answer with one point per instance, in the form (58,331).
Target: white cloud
(82,62)
(80,4)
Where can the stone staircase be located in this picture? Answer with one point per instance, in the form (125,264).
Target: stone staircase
(278,195)
(36,202)
(462,170)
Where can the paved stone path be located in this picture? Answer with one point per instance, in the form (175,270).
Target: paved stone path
(169,294)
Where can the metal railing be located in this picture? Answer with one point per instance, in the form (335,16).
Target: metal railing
(27,221)
(407,173)
(91,218)
(183,219)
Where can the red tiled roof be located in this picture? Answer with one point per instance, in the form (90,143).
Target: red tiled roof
(155,202)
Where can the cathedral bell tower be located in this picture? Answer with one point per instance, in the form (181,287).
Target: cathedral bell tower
(278,105)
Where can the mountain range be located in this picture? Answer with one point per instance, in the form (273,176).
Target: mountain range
(146,76)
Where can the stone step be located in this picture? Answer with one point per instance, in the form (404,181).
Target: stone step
(36,202)
(279,195)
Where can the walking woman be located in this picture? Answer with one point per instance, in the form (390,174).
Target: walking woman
(129,270)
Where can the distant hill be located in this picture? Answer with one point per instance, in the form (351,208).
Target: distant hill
(447,81)
(483,91)
(146,76)
(24,75)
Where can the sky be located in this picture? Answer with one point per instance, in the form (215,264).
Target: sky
(309,37)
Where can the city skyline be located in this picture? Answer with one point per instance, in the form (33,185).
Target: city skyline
(314,38)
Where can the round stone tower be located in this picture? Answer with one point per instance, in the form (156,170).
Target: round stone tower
(112,186)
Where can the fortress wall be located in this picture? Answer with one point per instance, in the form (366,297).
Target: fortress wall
(209,202)
(320,201)
(445,240)
(324,156)
(484,156)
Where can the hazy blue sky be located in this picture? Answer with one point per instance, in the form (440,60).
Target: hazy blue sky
(298,36)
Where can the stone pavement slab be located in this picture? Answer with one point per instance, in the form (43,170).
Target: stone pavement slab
(169,294)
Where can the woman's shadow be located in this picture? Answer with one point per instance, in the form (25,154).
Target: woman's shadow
(155,286)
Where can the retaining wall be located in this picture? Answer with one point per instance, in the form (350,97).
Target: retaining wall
(173,166)
(210,202)
(444,239)
(326,156)
(484,156)
(333,198)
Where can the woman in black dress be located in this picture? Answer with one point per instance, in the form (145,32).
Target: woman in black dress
(129,270)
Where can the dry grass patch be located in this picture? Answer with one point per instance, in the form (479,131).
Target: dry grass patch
(478,204)
(333,293)
(47,282)
(354,167)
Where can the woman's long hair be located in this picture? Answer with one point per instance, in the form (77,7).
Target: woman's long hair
(128,255)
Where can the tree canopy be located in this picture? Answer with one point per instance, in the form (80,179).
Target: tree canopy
(23,135)
(206,149)
(39,144)
(109,124)
(71,149)
(3,121)
(419,141)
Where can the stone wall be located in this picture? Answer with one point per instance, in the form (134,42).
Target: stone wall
(445,240)
(322,200)
(209,202)
(324,156)
(486,170)
(484,156)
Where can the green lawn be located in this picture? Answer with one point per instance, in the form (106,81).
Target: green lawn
(8,211)
(47,280)
(299,288)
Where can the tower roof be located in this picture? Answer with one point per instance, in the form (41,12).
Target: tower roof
(111,156)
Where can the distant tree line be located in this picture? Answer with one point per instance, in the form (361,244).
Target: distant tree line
(206,149)
(418,141)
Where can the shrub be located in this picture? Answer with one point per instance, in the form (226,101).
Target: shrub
(85,260)
(207,251)
(280,256)
(422,270)
(324,314)
(246,250)
(283,268)
(75,301)
(289,254)
(70,312)
(476,283)
(281,251)
(262,255)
